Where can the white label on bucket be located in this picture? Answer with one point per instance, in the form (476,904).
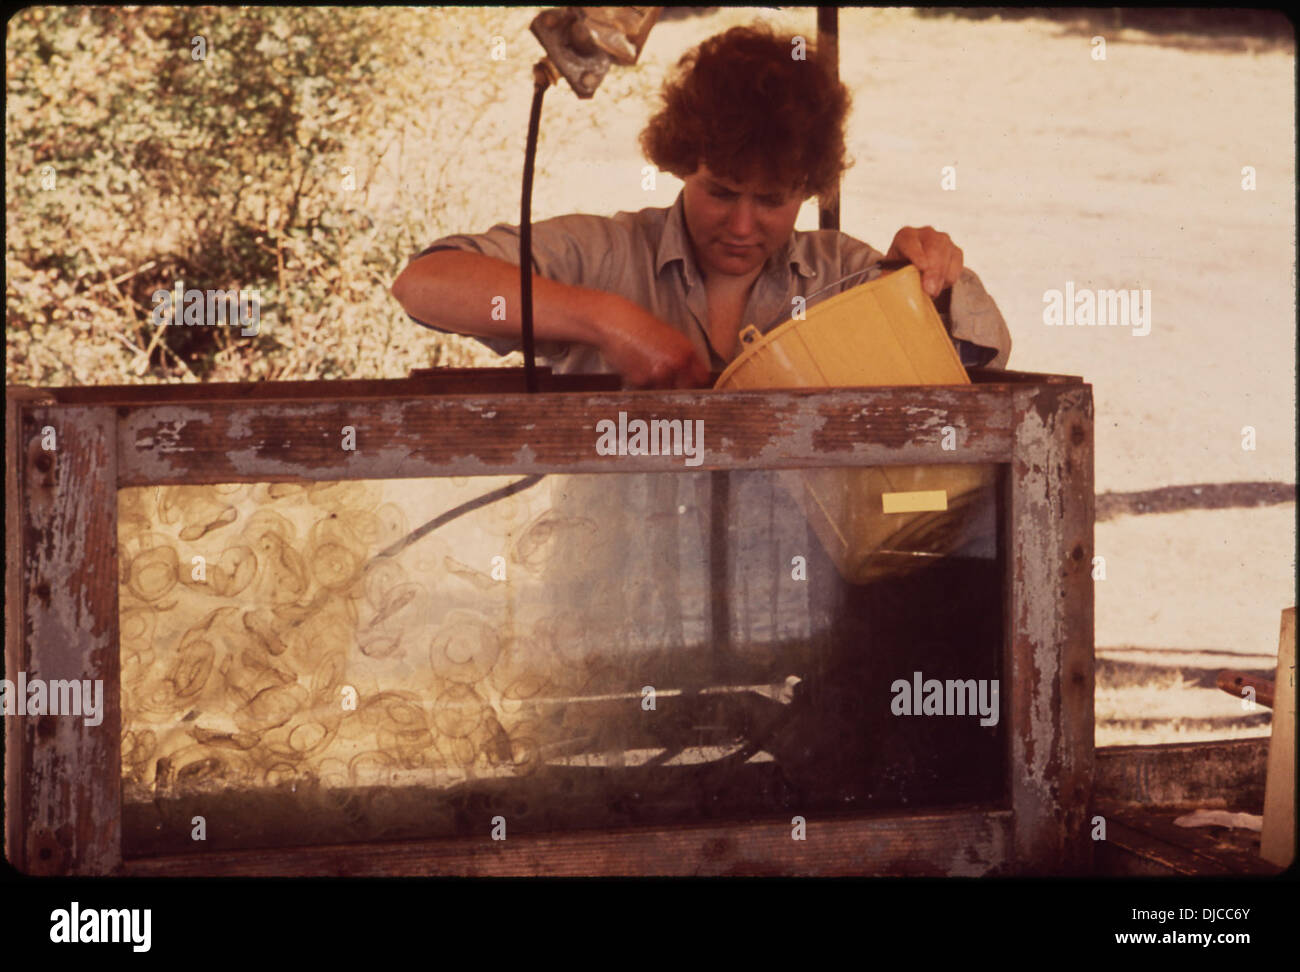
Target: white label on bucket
(918,501)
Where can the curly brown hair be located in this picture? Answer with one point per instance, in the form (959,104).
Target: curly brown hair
(742,104)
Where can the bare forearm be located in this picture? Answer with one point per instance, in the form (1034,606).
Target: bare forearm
(474,294)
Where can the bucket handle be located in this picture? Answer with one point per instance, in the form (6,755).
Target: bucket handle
(887,266)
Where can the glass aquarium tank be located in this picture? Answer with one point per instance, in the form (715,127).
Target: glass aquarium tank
(414,658)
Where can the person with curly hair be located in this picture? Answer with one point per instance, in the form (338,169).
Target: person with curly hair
(659,297)
(752,122)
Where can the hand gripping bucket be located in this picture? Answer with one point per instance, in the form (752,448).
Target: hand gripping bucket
(883,520)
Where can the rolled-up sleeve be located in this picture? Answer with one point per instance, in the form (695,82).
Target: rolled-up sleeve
(975,318)
(578,250)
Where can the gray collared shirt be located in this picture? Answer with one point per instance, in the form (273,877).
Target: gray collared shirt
(646,257)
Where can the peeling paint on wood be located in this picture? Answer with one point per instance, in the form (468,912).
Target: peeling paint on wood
(460,435)
(66,627)
(63,787)
(1052,626)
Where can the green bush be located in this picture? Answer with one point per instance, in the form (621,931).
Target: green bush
(131,164)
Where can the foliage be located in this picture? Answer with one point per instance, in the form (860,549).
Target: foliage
(234,171)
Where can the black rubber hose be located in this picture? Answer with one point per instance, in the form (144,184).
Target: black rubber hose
(526,236)
(526,302)
(467,507)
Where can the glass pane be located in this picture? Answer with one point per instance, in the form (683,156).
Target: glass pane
(315,663)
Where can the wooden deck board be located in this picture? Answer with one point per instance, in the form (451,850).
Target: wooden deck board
(1150,834)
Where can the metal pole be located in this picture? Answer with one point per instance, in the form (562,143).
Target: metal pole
(828,49)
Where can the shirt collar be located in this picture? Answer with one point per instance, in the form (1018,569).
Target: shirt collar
(675,244)
(797,254)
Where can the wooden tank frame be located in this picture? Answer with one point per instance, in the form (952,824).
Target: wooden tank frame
(62,781)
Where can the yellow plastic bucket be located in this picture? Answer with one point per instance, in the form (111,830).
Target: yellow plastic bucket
(882,520)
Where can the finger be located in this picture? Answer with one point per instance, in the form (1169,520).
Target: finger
(933,264)
(703,378)
(693,376)
(907,245)
(955,265)
(644,382)
(921,248)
